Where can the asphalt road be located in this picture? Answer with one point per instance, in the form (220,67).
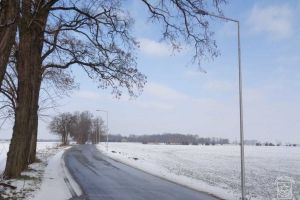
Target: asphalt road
(102,178)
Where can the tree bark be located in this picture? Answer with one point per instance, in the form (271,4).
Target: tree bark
(8,28)
(63,133)
(34,122)
(29,71)
(25,127)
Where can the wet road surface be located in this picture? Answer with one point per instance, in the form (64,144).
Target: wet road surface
(102,178)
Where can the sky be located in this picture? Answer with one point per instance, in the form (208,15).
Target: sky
(181,98)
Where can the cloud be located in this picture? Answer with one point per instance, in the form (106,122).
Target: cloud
(227,30)
(153,104)
(159,97)
(162,108)
(210,85)
(153,48)
(89,95)
(268,119)
(163,92)
(275,20)
(219,86)
(194,73)
(270,113)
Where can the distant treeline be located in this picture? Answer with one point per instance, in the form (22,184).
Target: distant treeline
(168,138)
(258,143)
(278,144)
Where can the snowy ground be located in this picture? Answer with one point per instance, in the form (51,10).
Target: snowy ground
(42,148)
(214,169)
(53,184)
(44,180)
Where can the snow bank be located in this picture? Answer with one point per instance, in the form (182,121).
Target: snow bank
(53,184)
(213,169)
(44,180)
(31,178)
(4,147)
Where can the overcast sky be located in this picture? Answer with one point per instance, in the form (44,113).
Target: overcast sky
(180,98)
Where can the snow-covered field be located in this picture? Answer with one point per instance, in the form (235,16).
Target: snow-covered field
(214,169)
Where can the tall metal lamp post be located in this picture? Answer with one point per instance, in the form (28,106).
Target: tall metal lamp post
(106,126)
(203,12)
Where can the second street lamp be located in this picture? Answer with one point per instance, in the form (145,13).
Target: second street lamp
(203,12)
(106,126)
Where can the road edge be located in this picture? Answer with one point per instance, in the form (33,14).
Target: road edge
(72,185)
(158,176)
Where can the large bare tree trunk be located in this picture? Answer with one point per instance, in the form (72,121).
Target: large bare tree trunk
(8,28)
(17,157)
(29,73)
(29,70)
(34,123)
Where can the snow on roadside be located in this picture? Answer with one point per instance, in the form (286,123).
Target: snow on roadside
(42,148)
(53,184)
(31,178)
(43,180)
(213,169)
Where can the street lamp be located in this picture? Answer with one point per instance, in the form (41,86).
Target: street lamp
(203,12)
(106,126)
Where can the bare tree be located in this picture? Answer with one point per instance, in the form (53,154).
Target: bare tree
(61,125)
(8,28)
(48,40)
(94,35)
(8,93)
(183,24)
(81,126)
(55,84)
(97,130)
